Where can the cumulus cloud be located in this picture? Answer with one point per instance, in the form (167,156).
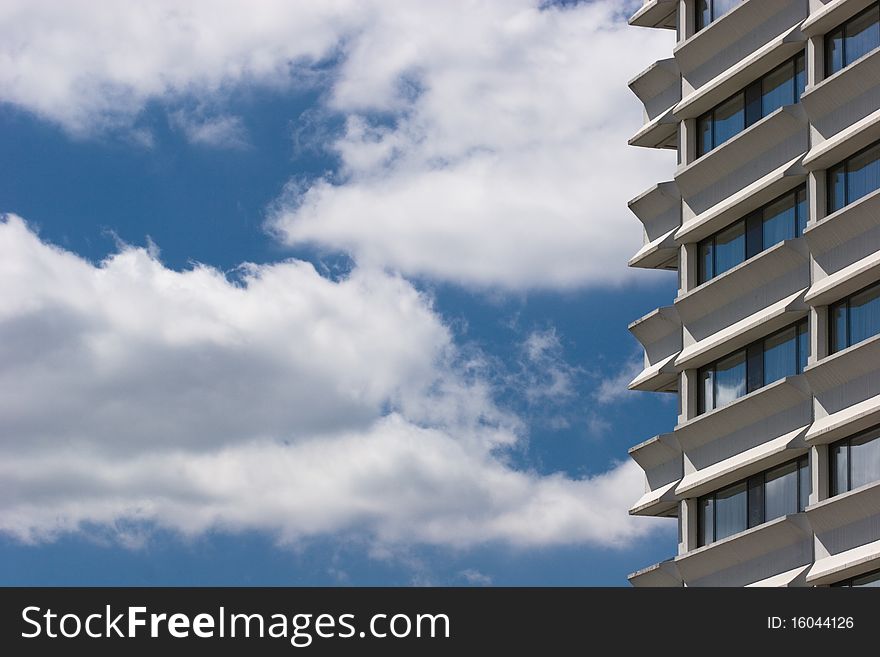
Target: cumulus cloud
(484,143)
(505,164)
(279,401)
(213,131)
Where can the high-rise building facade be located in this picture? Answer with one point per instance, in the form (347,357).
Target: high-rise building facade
(772,344)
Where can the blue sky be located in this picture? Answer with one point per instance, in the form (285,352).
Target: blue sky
(420,379)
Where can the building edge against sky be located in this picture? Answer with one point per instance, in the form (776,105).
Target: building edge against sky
(772,345)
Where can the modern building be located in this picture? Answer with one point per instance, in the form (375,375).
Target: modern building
(772,344)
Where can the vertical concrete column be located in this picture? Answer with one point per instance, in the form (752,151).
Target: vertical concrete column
(819,474)
(687,533)
(688,395)
(685,19)
(818,334)
(687,268)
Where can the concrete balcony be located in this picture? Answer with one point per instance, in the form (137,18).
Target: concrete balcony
(757,151)
(845,366)
(715,336)
(740,75)
(658,87)
(659,210)
(840,228)
(659,332)
(657,13)
(794,577)
(736,206)
(841,283)
(664,574)
(660,458)
(848,141)
(847,529)
(781,400)
(845,422)
(772,549)
(846,390)
(846,97)
(661,132)
(743,464)
(734,37)
(834,13)
(744,279)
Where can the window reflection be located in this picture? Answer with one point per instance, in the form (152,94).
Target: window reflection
(772,494)
(781,354)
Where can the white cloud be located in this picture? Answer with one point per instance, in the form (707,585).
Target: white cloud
(213,131)
(131,393)
(507,166)
(614,388)
(485,143)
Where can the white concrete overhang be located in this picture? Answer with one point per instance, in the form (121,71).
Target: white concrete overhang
(845,224)
(740,75)
(659,377)
(661,253)
(845,281)
(658,502)
(655,201)
(831,15)
(846,365)
(747,276)
(748,409)
(835,92)
(752,461)
(656,325)
(742,547)
(656,13)
(845,509)
(850,140)
(662,132)
(845,422)
(793,577)
(739,334)
(658,78)
(850,563)
(742,149)
(724,32)
(737,205)
(656,451)
(663,574)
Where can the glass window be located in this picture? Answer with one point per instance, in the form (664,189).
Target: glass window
(852,40)
(729,120)
(855,318)
(772,494)
(781,354)
(864,315)
(781,491)
(872,579)
(730,379)
(708,11)
(863,174)
(782,86)
(864,460)
(855,461)
(782,219)
(730,248)
(777,89)
(869,579)
(730,511)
